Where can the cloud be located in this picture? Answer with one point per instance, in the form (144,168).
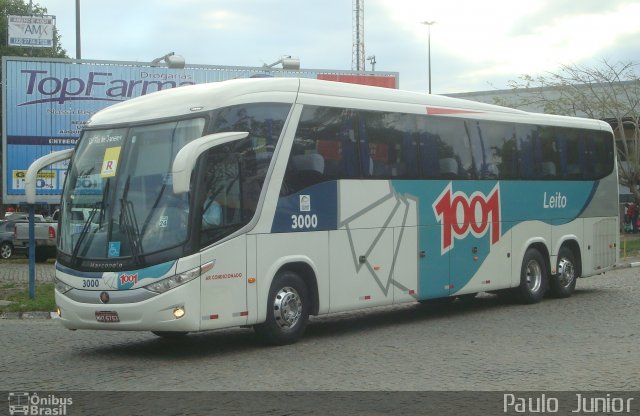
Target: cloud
(226,20)
(474,43)
(498,39)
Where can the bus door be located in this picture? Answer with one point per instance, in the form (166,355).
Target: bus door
(224,285)
(226,203)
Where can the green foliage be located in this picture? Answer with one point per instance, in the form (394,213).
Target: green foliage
(629,246)
(43,301)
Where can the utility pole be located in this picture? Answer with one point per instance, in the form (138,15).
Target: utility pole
(78,47)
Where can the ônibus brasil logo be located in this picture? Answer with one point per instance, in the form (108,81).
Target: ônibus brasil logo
(461,214)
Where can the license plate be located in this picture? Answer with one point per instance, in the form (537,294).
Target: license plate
(107,316)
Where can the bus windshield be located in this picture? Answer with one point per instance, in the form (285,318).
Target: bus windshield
(118,198)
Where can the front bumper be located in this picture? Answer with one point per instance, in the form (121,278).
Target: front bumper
(152,314)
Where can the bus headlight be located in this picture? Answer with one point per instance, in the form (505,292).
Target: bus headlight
(174,281)
(61,286)
(178,312)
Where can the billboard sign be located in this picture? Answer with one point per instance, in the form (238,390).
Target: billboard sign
(31,31)
(46,102)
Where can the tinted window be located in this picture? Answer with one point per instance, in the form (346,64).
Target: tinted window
(388,145)
(445,152)
(494,150)
(334,143)
(563,153)
(324,148)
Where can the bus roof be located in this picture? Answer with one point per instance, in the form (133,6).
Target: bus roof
(203,97)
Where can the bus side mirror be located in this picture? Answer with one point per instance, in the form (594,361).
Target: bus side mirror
(36,166)
(186,158)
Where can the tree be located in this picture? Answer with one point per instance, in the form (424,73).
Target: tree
(21,8)
(609,92)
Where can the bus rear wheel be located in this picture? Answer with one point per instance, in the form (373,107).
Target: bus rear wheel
(534,277)
(563,283)
(287,310)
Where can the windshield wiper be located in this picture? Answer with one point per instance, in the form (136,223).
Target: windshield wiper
(130,224)
(84,231)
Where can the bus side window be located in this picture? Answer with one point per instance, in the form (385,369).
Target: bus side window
(387,143)
(549,155)
(445,152)
(305,170)
(494,149)
(323,149)
(526,136)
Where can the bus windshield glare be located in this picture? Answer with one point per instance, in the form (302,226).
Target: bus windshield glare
(118,199)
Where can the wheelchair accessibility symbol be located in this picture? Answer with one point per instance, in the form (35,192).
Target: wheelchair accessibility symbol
(114,248)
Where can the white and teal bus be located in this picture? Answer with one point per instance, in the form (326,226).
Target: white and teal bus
(260,202)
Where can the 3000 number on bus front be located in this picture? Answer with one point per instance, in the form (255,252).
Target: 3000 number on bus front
(90,283)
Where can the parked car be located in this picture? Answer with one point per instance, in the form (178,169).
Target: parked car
(24,216)
(45,238)
(7,237)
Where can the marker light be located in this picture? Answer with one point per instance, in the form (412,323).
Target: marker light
(178,312)
(58,312)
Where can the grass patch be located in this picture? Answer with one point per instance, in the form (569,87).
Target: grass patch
(629,246)
(43,301)
(8,285)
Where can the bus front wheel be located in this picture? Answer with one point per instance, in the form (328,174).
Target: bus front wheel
(534,277)
(287,312)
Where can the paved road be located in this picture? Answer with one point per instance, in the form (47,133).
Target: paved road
(18,272)
(588,342)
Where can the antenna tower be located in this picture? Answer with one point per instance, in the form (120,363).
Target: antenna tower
(357,59)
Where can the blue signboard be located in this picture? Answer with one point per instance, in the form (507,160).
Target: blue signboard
(46,103)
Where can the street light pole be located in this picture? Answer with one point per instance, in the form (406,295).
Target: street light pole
(78,42)
(429,49)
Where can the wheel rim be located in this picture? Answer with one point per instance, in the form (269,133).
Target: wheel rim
(566,272)
(5,251)
(534,276)
(287,307)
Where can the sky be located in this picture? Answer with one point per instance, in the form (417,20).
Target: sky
(475,45)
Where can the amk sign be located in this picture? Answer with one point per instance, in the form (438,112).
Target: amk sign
(31,31)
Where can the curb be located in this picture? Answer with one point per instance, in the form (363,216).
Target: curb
(28,315)
(627,265)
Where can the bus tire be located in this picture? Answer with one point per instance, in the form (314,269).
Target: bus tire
(563,283)
(534,277)
(287,310)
